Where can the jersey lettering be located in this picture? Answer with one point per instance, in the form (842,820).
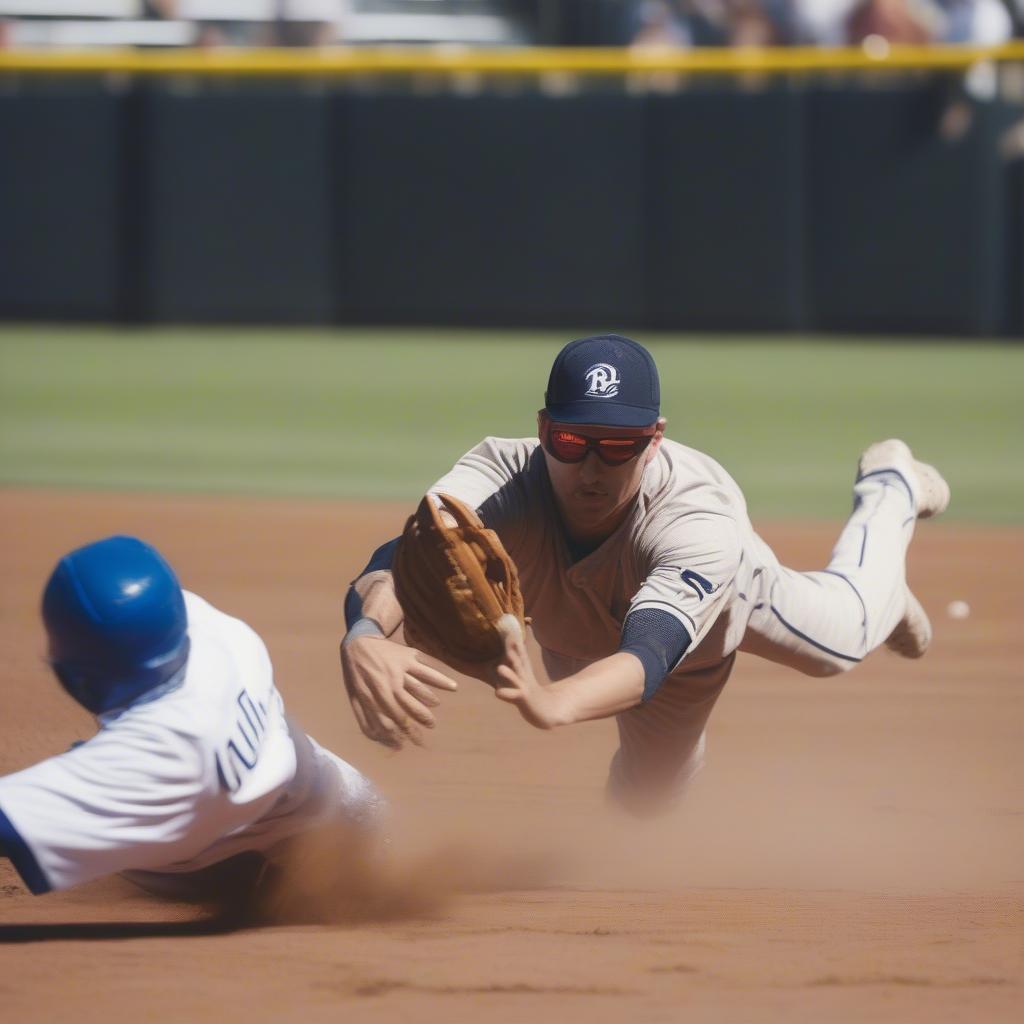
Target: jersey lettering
(242,750)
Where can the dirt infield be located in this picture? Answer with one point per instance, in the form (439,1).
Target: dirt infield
(853,851)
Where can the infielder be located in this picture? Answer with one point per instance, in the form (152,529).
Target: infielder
(196,776)
(643,577)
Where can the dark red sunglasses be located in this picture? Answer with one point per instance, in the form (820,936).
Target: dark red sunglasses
(564,442)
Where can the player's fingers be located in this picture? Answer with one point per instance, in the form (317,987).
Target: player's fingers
(375,710)
(387,722)
(401,727)
(424,694)
(380,697)
(377,727)
(396,720)
(508,694)
(515,651)
(365,713)
(368,702)
(361,719)
(432,677)
(512,643)
(416,710)
(516,659)
(390,735)
(508,678)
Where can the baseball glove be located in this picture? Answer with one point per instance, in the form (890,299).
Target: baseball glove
(454,584)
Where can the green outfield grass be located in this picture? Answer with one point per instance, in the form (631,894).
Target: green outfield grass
(374,413)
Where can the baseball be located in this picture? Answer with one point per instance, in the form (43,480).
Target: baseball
(958,609)
(508,625)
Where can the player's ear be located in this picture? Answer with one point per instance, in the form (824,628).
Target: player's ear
(659,433)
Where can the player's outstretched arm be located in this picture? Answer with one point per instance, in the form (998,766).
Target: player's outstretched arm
(607,687)
(392,691)
(653,641)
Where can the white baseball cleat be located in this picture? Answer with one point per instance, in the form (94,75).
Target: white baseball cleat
(913,633)
(931,492)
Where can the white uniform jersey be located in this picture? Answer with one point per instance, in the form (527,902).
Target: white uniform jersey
(173,784)
(686,548)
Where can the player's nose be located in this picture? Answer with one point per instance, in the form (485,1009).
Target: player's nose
(591,468)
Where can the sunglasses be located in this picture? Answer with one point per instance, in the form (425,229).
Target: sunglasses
(566,444)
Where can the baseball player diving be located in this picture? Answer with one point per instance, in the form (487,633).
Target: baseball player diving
(642,575)
(196,776)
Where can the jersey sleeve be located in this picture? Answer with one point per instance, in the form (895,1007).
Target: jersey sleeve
(105,806)
(692,565)
(489,478)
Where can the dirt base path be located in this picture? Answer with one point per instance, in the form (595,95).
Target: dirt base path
(853,851)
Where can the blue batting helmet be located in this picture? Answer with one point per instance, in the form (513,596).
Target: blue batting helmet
(115,616)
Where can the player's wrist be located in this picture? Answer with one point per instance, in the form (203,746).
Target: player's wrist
(362,627)
(561,708)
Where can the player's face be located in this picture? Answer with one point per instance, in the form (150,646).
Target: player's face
(595,494)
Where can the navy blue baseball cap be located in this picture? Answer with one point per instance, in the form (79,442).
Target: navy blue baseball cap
(605,379)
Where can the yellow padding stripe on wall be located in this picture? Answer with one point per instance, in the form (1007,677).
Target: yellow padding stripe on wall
(348,62)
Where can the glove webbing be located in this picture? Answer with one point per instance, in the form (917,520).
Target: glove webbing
(471,562)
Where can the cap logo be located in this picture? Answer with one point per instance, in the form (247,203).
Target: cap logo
(603,380)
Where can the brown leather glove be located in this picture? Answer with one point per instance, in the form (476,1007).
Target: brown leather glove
(454,583)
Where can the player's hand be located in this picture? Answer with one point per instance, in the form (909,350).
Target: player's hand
(391,690)
(516,683)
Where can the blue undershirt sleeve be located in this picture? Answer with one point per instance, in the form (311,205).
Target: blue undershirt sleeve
(380,559)
(658,639)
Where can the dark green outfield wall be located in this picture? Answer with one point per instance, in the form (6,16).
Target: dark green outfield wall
(814,209)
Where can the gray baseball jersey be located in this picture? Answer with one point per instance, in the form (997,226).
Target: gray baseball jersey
(687,548)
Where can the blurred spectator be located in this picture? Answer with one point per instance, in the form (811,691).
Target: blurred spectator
(903,22)
(1015,8)
(159,8)
(293,23)
(660,24)
(307,23)
(761,23)
(666,23)
(646,24)
(981,22)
